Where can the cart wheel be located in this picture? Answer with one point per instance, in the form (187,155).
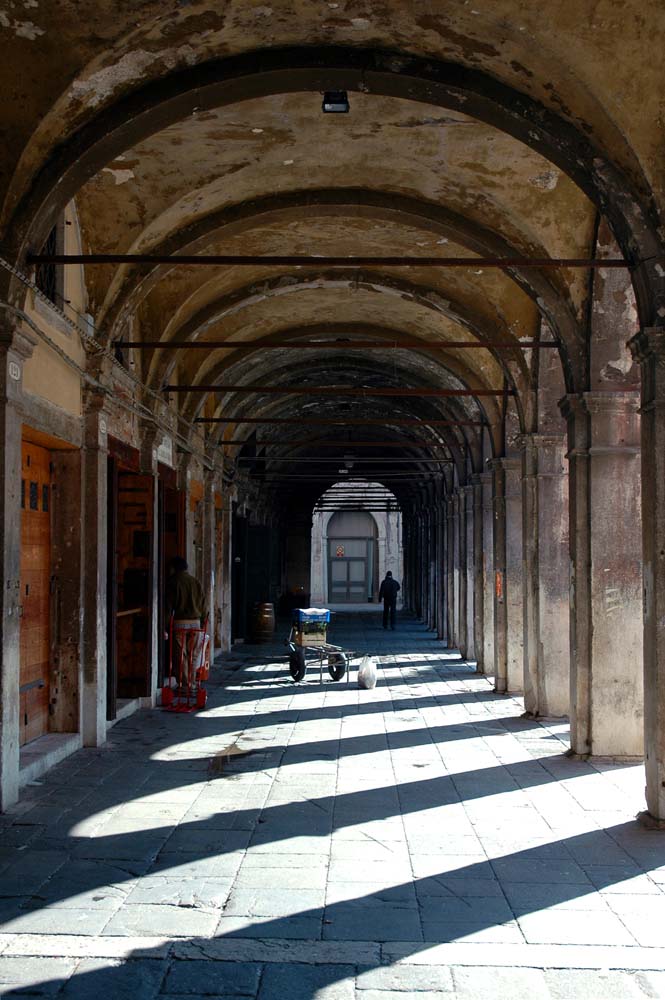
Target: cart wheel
(297,664)
(337,664)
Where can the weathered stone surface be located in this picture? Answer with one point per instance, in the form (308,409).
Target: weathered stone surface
(462,834)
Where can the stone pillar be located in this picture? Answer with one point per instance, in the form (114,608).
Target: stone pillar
(433,624)
(224,573)
(605,553)
(95,567)
(450,573)
(425,566)
(514,571)
(441,626)
(208,533)
(487,572)
(469,573)
(16,346)
(456,570)
(508,574)
(462,637)
(499,588)
(478,573)
(649,349)
(149,467)
(426,536)
(545,576)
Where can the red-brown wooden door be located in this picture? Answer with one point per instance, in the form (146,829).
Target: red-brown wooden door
(35,598)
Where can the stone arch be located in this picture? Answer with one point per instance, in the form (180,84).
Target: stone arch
(289,69)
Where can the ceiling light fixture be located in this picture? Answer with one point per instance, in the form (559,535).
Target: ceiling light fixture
(335,102)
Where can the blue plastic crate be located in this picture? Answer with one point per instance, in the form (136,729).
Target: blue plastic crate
(311,616)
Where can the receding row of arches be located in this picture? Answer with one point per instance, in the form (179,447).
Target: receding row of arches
(434,294)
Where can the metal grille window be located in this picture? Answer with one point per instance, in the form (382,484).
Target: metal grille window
(46,277)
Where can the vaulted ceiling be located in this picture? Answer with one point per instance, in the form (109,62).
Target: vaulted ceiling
(476,129)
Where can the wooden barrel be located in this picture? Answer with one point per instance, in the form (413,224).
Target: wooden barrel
(262,625)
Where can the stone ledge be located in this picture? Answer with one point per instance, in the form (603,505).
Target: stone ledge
(39,756)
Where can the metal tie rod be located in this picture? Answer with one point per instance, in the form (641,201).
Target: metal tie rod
(357,460)
(340,422)
(306,260)
(333,345)
(338,390)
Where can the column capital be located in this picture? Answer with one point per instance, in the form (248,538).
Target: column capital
(540,441)
(148,434)
(612,402)
(648,344)
(96,404)
(505,464)
(572,405)
(17,337)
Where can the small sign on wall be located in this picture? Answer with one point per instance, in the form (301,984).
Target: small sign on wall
(498,585)
(339,552)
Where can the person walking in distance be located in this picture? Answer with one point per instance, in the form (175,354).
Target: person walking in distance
(388,594)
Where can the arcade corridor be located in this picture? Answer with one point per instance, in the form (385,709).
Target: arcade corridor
(318,842)
(298,294)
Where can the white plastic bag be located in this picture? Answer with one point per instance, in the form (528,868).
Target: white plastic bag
(367,673)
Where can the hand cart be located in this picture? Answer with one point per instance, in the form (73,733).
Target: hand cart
(308,634)
(189,668)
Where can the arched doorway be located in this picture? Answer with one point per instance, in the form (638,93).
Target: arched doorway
(352,557)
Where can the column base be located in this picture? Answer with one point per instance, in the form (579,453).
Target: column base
(605,758)
(543,717)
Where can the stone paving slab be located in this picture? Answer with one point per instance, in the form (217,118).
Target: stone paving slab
(421,839)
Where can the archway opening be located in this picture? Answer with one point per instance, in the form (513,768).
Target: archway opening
(356,539)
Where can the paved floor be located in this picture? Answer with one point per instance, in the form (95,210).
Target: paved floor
(298,842)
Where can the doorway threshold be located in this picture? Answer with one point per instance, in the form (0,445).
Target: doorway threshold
(40,755)
(370,607)
(126,707)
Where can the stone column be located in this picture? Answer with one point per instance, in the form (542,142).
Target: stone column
(423,567)
(208,539)
(456,570)
(499,588)
(649,349)
(440,571)
(16,345)
(487,572)
(150,434)
(224,574)
(470,574)
(426,536)
(95,566)
(450,573)
(417,567)
(605,554)
(546,576)
(462,638)
(433,623)
(514,571)
(478,574)
(426,566)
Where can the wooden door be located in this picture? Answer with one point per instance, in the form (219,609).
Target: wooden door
(133,567)
(171,542)
(35,599)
